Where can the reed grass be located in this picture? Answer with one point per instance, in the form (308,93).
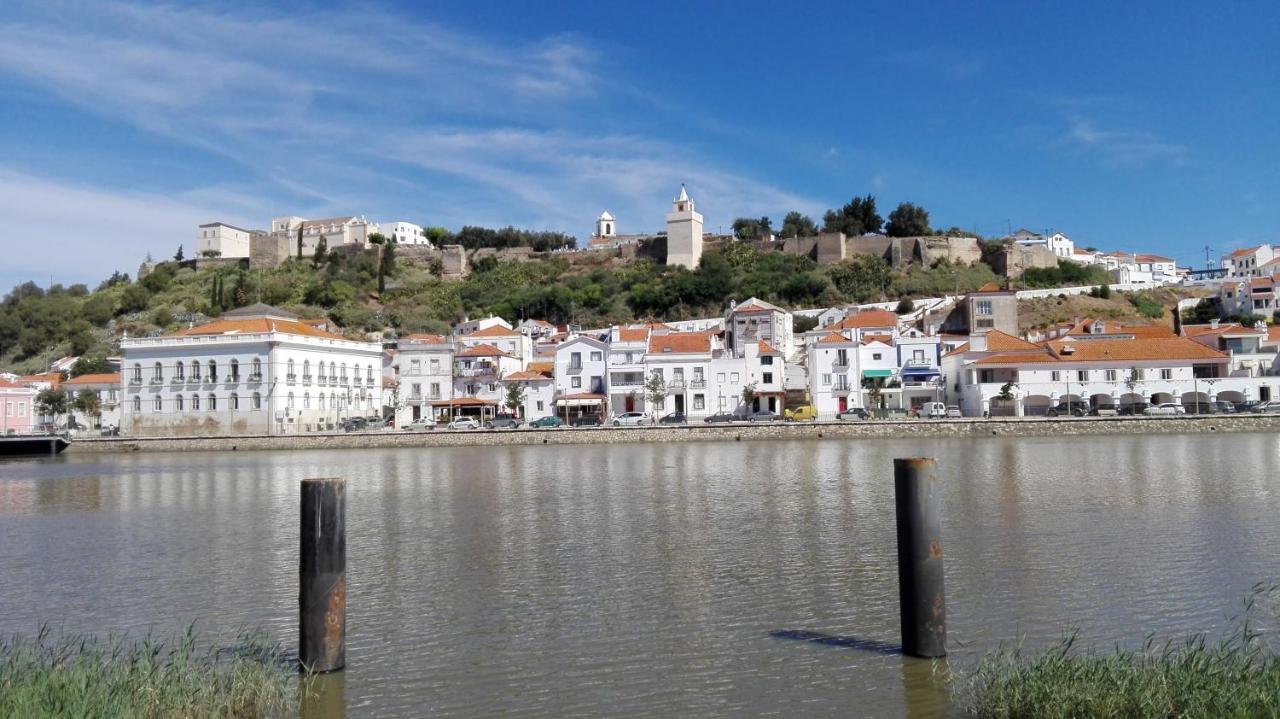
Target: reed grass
(1237,675)
(82,676)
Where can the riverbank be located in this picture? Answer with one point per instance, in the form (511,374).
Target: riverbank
(744,432)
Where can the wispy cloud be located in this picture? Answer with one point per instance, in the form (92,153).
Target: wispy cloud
(1119,148)
(371,111)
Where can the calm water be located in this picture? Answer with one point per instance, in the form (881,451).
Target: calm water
(649,580)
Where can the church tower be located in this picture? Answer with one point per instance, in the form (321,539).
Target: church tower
(684,233)
(605,225)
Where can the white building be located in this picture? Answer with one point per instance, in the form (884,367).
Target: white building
(424,376)
(107,387)
(1056,242)
(627,348)
(538,390)
(256,370)
(403,233)
(502,337)
(335,231)
(477,372)
(222,240)
(1248,262)
(606,226)
(755,321)
(581,376)
(684,233)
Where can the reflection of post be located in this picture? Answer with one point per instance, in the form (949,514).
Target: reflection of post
(322,570)
(324,696)
(922,601)
(924,688)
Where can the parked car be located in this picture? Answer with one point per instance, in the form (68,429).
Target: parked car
(464,423)
(1136,408)
(1221,407)
(933,410)
(673,418)
(853,413)
(628,419)
(588,420)
(421,424)
(720,417)
(765,416)
(803,413)
(953,412)
(1068,409)
(1104,410)
(504,421)
(374,423)
(1166,408)
(548,421)
(354,424)
(1265,408)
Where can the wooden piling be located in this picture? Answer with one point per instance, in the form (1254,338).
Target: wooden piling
(322,575)
(921,596)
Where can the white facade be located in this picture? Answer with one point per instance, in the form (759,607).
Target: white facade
(1057,243)
(335,231)
(582,366)
(754,321)
(107,387)
(403,233)
(606,226)
(684,233)
(424,376)
(1248,262)
(226,240)
(254,371)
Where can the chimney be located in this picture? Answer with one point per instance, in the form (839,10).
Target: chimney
(1213,323)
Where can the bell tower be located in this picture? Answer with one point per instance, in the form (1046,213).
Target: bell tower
(605,225)
(684,232)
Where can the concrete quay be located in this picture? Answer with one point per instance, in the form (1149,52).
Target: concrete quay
(742,432)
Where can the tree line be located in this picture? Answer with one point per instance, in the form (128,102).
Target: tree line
(857,217)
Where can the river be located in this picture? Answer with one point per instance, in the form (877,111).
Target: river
(656,580)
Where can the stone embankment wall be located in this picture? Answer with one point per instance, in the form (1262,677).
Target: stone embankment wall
(698,432)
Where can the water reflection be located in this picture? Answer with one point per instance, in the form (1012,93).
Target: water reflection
(647,580)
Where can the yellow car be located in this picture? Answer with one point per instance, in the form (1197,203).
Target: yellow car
(803,413)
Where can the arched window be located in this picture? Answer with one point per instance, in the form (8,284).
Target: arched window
(289,374)
(213,372)
(195,402)
(306,370)
(333,372)
(321,398)
(333,401)
(235,401)
(177,403)
(257,400)
(257,370)
(195,371)
(290,404)
(344,372)
(178,371)
(368,371)
(137,401)
(235,370)
(157,405)
(213,402)
(306,400)
(157,372)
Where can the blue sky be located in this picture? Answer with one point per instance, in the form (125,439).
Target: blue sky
(1136,126)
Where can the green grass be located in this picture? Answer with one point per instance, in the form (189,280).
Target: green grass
(80,676)
(1236,676)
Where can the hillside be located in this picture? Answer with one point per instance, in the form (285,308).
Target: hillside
(1146,307)
(38,325)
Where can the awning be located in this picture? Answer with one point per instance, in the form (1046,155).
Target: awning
(877,373)
(463,402)
(920,371)
(581,399)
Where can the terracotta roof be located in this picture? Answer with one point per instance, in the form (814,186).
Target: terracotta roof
(1151,258)
(766,349)
(958,349)
(525,376)
(482,350)
(429,339)
(255,325)
(494,331)
(1245,251)
(545,368)
(998,341)
(105,378)
(544,323)
(54,378)
(1017,358)
(1221,329)
(835,338)
(1172,348)
(633,334)
(867,318)
(680,343)
(1273,333)
(756,305)
(1111,327)
(1261,282)
(388,382)
(15,385)
(887,339)
(989,288)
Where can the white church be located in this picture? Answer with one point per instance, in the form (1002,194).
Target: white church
(684,232)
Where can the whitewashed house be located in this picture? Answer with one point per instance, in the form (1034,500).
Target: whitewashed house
(107,387)
(403,233)
(501,336)
(834,383)
(627,348)
(335,231)
(222,240)
(539,393)
(255,370)
(756,320)
(581,376)
(424,364)
(477,373)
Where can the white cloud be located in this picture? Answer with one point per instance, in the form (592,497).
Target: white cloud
(1124,148)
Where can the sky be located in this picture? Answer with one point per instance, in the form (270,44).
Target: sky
(1144,126)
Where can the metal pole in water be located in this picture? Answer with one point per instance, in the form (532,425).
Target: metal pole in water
(922,600)
(322,576)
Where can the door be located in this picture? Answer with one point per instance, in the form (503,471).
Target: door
(417,412)
(842,403)
(680,403)
(630,404)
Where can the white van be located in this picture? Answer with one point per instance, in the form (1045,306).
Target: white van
(933,410)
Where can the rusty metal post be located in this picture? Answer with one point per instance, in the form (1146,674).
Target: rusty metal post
(922,600)
(322,575)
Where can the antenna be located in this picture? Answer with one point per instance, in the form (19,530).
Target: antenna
(1208,263)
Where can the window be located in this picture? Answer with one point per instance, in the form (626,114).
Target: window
(235,370)
(435,390)
(306,370)
(734,378)
(1166,374)
(539,405)
(1140,374)
(575,360)
(875,355)
(157,404)
(8,409)
(195,371)
(1082,375)
(178,371)
(235,401)
(333,372)
(177,403)
(195,401)
(1054,376)
(767,378)
(306,400)
(213,372)
(289,403)
(321,401)
(257,401)
(415,366)
(343,372)
(257,369)
(766,360)
(213,403)
(597,356)
(575,382)
(137,374)
(982,307)
(917,355)
(493,386)
(157,372)
(720,377)
(368,373)
(137,404)
(699,402)
(826,380)
(1110,375)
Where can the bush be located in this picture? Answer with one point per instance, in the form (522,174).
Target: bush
(905,306)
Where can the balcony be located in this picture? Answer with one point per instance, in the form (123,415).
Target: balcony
(840,363)
(135,380)
(626,381)
(233,379)
(477,370)
(698,384)
(322,380)
(179,379)
(676,384)
(157,380)
(291,378)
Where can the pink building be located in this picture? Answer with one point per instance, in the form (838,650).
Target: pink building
(17,408)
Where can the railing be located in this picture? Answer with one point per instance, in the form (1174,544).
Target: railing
(675,384)
(233,379)
(477,371)
(135,380)
(157,380)
(178,379)
(840,363)
(698,384)
(626,382)
(290,378)
(917,363)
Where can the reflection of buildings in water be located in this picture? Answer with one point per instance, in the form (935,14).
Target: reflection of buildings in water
(17,496)
(70,494)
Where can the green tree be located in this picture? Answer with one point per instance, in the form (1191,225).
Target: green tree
(655,389)
(177,256)
(240,293)
(861,278)
(89,404)
(386,265)
(858,217)
(875,391)
(1104,291)
(796,224)
(803,323)
(322,249)
(52,402)
(1006,390)
(908,220)
(96,364)
(299,240)
(135,299)
(437,235)
(515,397)
(905,306)
(748,396)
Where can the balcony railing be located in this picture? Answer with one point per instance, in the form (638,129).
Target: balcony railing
(135,380)
(291,378)
(629,382)
(157,380)
(178,379)
(675,384)
(697,384)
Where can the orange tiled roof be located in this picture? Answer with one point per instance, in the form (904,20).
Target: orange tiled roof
(887,339)
(581,396)
(104,378)
(54,378)
(464,402)
(1151,348)
(1112,328)
(989,287)
(1242,253)
(494,331)
(525,376)
(765,348)
(1151,258)
(756,305)
(834,338)
(546,368)
(428,338)
(867,318)
(680,343)
(1017,358)
(482,350)
(1221,329)
(632,334)
(1273,333)
(14,385)
(255,325)
(998,341)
